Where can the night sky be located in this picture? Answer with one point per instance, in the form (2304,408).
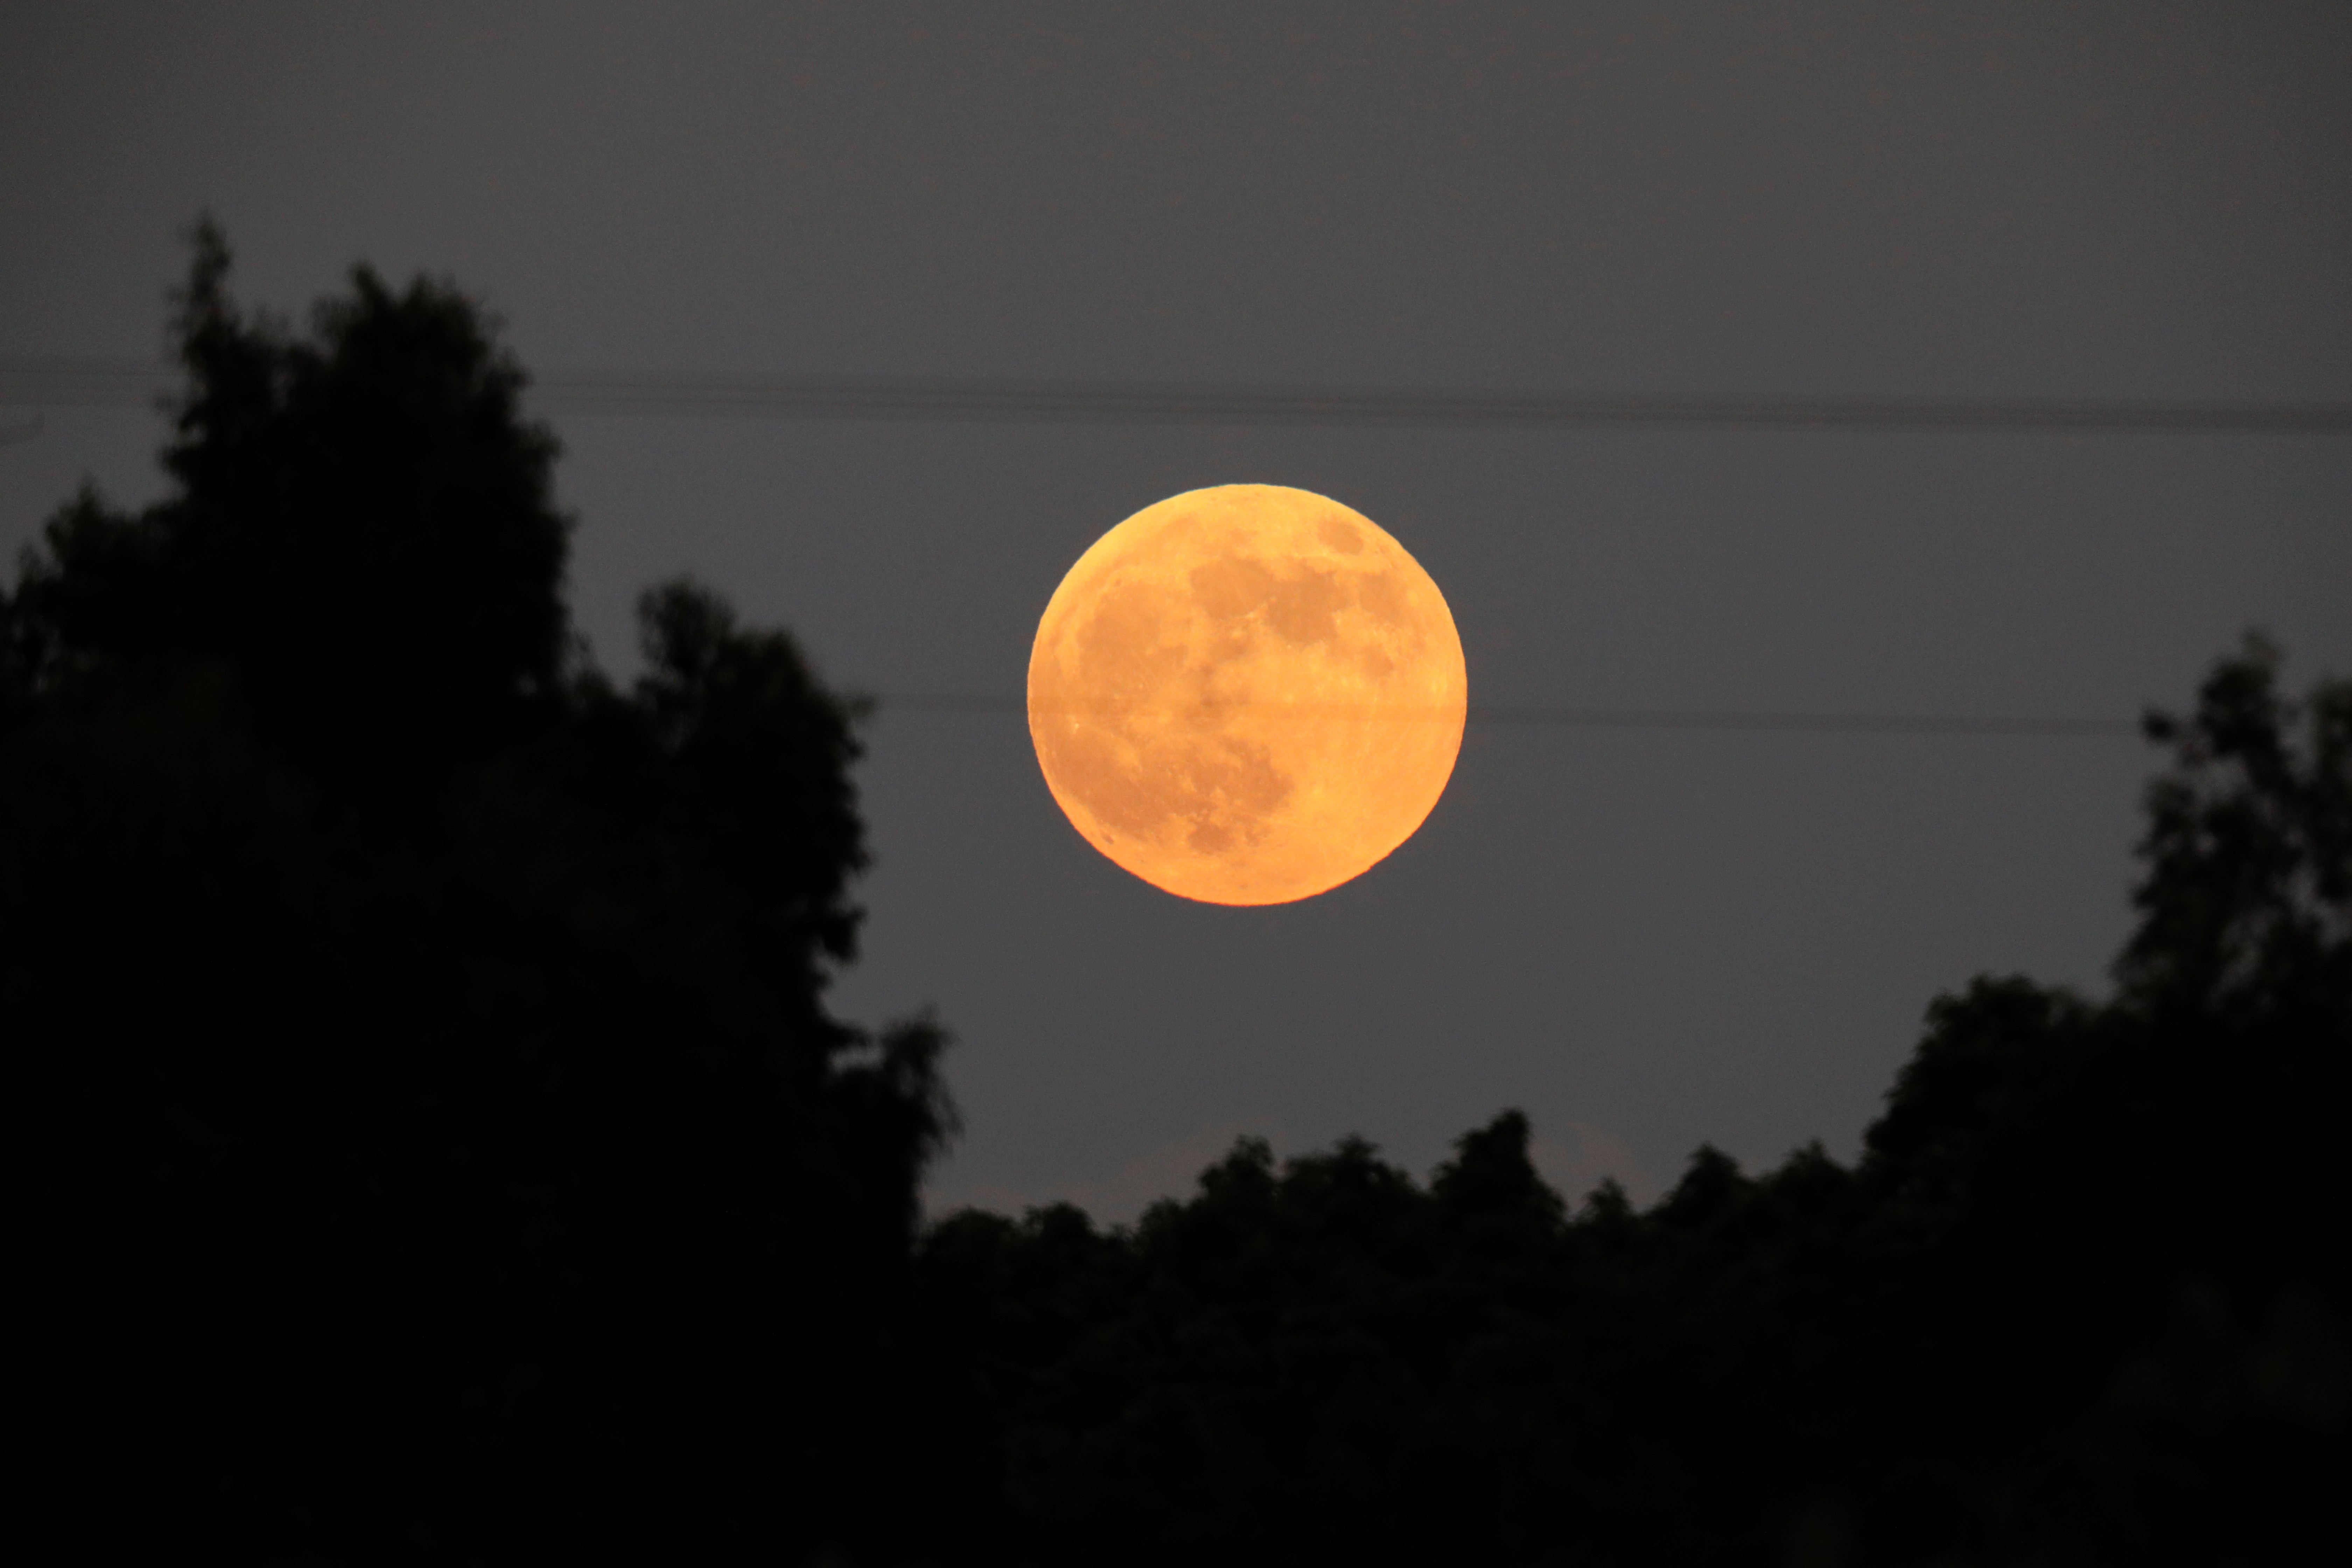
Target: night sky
(1647,939)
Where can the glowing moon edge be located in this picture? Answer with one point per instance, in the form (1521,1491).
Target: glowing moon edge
(1247,694)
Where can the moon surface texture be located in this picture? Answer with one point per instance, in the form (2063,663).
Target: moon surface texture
(1247,695)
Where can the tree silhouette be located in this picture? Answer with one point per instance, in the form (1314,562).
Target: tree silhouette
(2082,1298)
(439,1148)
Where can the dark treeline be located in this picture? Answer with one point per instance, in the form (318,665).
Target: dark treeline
(2082,1299)
(438,1148)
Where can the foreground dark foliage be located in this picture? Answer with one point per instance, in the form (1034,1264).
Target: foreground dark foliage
(435,1144)
(2082,1300)
(436,1149)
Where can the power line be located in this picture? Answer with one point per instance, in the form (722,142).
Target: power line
(95,382)
(1806,723)
(113,383)
(1719,721)
(84,382)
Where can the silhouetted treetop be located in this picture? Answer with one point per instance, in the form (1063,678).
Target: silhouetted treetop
(2246,902)
(766,753)
(362,524)
(1491,1174)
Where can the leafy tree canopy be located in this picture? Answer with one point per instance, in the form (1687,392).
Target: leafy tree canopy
(442,1148)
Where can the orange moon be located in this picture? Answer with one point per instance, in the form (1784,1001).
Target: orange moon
(1247,695)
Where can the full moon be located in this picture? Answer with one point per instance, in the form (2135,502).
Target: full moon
(1247,695)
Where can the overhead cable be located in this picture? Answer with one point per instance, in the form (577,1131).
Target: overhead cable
(1662,719)
(107,383)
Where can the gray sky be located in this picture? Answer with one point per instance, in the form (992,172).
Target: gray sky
(1646,939)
